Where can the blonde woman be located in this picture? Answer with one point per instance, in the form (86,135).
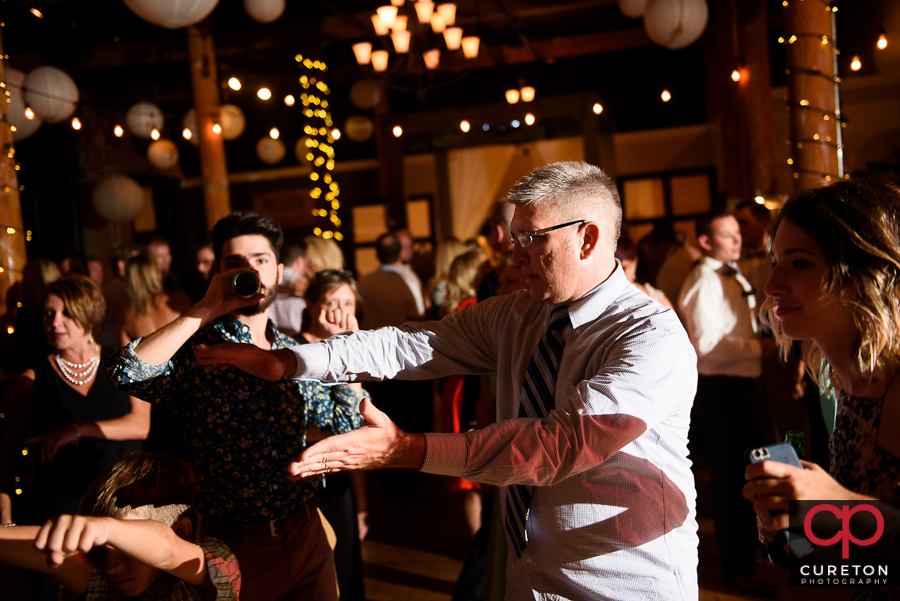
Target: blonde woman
(151,306)
(462,281)
(448,249)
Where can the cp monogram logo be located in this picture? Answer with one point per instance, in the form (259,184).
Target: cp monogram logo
(844,514)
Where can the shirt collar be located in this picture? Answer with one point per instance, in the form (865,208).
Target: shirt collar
(392,269)
(710,262)
(230,327)
(590,306)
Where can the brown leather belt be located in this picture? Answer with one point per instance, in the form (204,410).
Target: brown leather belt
(262,530)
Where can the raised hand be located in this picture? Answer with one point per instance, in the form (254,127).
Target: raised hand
(65,535)
(334,320)
(269,365)
(51,441)
(378,444)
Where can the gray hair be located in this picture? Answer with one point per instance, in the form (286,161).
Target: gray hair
(573,190)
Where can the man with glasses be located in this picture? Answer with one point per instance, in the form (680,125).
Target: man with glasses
(594,389)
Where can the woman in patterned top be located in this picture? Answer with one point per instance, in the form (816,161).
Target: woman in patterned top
(835,286)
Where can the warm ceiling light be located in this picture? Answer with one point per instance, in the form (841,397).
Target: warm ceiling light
(856,64)
(118,131)
(264,93)
(598,108)
(234,83)
(76,125)
(186,134)
(512,96)
(432,58)
(336,133)
(401,41)
(736,75)
(447,12)
(398,131)
(363,52)
(666,96)
(882,42)
(154,133)
(760,200)
(453,37)
(400,23)
(464,126)
(529,119)
(29,114)
(438,25)
(217,129)
(397,2)
(424,10)
(380,60)
(470,46)
(380,27)
(289,100)
(387,14)
(274,133)
(37,13)
(527,94)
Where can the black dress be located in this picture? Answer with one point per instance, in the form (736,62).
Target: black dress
(60,483)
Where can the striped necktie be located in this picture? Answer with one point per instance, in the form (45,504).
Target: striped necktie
(537,402)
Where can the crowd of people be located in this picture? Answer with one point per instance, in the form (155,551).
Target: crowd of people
(582,377)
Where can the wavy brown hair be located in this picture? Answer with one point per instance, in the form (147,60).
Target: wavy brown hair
(857,224)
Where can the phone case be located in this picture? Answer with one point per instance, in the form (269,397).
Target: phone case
(782,452)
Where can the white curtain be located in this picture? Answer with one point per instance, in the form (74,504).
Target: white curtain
(475,175)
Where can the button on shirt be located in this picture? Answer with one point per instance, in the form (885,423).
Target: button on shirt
(612,515)
(241,431)
(719,319)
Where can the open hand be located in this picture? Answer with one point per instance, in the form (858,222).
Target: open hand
(51,441)
(269,365)
(378,444)
(65,535)
(334,320)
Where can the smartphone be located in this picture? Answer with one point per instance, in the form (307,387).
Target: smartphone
(782,452)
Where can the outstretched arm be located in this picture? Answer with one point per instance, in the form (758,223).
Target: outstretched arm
(17,549)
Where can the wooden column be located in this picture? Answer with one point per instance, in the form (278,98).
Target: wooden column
(812,93)
(12,249)
(205,84)
(389,152)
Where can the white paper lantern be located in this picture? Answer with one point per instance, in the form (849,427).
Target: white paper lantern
(142,118)
(163,154)
(173,14)
(190,122)
(359,128)
(365,94)
(118,199)
(269,151)
(675,23)
(264,11)
(232,121)
(301,149)
(633,8)
(51,94)
(24,126)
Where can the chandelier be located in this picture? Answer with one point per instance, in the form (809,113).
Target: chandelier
(418,30)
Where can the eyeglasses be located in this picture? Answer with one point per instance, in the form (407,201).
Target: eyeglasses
(526,238)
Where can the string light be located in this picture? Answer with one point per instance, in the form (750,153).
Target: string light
(118,131)
(217,128)
(264,93)
(234,83)
(336,133)
(29,114)
(186,133)
(598,108)
(529,119)
(882,41)
(398,131)
(856,64)
(666,96)
(289,100)
(274,133)
(154,133)
(465,126)
(736,75)
(76,123)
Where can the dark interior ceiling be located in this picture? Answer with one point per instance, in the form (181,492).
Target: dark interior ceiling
(561,47)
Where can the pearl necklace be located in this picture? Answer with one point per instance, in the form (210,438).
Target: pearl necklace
(70,371)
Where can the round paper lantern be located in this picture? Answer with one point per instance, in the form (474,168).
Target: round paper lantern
(675,23)
(24,126)
(173,14)
(365,94)
(118,199)
(359,128)
(264,11)
(301,149)
(142,118)
(190,122)
(633,8)
(163,154)
(232,121)
(51,94)
(269,151)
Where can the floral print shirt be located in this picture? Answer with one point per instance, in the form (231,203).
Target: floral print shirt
(241,431)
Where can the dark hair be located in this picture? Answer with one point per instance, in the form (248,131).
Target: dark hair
(703,225)
(292,252)
(857,225)
(759,211)
(626,250)
(246,223)
(387,248)
(329,280)
(82,300)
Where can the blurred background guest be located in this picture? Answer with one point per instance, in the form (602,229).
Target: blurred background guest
(30,341)
(626,253)
(447,249)
(150,305)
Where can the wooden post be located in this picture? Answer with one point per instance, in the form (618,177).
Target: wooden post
(205,84)
(12,231)
(389,151)
(812,93)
